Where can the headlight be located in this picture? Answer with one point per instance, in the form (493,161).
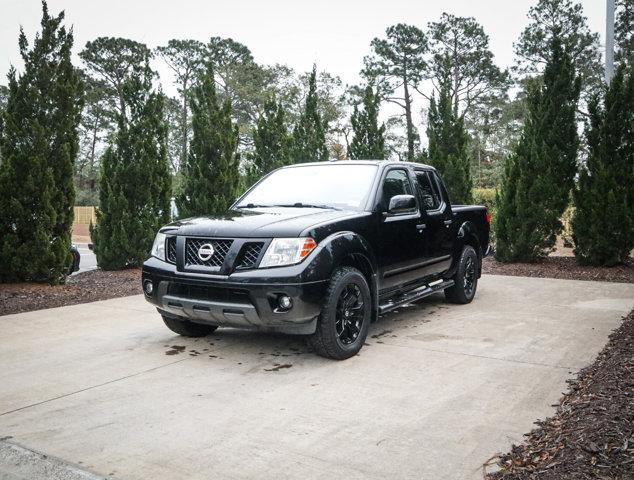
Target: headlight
(158,249)
(287,251)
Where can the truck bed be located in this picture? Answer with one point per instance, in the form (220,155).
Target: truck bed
(477,214)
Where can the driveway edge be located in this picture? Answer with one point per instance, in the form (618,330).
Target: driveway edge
(21,463)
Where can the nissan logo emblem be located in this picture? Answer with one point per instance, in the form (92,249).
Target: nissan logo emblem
(205,252)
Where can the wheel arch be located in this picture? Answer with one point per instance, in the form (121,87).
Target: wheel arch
(467,235)
(349,249)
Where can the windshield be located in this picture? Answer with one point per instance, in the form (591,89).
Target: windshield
(335,185)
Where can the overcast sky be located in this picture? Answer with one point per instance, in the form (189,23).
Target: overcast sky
(333,33)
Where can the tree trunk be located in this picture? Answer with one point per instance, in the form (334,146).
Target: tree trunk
(409,123)
(184,127)
(119,87)
(456,78)
(94,142)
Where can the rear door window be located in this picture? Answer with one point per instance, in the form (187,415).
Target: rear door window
(427,191)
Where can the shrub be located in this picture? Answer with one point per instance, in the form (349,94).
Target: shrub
(603,223)
(39,144)
(539,174)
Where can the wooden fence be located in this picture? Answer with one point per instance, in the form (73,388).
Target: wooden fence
(85,215)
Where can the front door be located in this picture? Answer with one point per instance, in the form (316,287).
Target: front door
(399,251)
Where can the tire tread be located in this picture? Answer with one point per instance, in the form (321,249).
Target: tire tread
(187,328)
(455,294)
(326,345)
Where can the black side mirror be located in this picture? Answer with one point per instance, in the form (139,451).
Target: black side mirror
(401,203)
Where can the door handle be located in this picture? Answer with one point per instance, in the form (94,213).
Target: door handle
(421,227)
(448,222)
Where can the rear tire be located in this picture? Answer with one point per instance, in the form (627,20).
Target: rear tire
(187,328)
(466,278)
(345,316)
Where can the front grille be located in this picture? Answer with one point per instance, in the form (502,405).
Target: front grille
(171,249)
(250,255)
(192,245)
(213,294)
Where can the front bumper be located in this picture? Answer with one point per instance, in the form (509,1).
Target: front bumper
(243,300)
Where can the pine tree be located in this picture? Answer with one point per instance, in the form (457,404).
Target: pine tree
(397,66)
(39,145)
(271,140)
(539,174)
(566,20)
(184,58)
(210,175)
(135,183)
(368,141)
(603,221)
(448,142)
(309,135)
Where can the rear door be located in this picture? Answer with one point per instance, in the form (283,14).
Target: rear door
(398,249)
(437,219)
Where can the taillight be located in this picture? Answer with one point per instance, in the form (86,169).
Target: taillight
(488,217)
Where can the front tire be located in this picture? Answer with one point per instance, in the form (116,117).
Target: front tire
(187,328)
(466,278)
(345,316)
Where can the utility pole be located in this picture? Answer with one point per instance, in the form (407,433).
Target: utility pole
(609,40)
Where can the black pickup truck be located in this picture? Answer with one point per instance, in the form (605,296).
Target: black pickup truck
(319,249)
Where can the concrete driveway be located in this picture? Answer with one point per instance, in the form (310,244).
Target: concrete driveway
(88,260)
(437,391)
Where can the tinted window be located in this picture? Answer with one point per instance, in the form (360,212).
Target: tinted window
(427,191)
(341,185)
(396,183)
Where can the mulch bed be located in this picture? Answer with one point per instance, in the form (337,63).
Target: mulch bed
(561,267)
(100,285)
(591,435)
(80,288)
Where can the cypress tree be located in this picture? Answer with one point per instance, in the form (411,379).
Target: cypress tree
(368,141)
(210,175)
(448,148)
(603,220)
(309,135)
(39,144)
(539,174)
(272,141)
(135,182)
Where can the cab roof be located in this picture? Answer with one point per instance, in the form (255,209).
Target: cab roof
(381,163)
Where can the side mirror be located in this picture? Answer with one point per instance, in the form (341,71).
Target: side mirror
(401,204)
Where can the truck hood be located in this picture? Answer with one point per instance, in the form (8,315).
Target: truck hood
(259,222)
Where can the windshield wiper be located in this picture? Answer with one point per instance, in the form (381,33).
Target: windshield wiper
(307,205)
(254,205)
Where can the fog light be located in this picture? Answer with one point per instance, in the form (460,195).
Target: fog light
(285,302)
(149,288)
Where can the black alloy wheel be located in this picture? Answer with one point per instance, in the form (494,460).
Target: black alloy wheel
(465,278)
(469,278)
(350,313)
(343,324)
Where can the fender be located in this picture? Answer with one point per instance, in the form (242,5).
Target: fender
(347,248)
(467,235)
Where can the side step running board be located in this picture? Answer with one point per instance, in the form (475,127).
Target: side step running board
(414,295)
